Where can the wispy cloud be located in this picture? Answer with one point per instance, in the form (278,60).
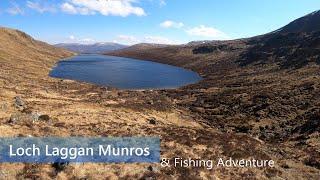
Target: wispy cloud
(36,5)
(158,40)
(208,32)
(105,7)
(74,39)
(162,3)
(126,39)
(71,9)
(199,31)
(171,24)
(15,9)
(71,37)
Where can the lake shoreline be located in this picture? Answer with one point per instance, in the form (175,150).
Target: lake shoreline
(123,73)
(223,116)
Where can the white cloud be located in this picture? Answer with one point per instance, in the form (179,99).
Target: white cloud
(73,39)
(71,9)
(158,40)
(105,7)
(68,8)
(163,3)
(125,39)
(130,40)
(171,24)
(208,32)
(15,9)
(40,7)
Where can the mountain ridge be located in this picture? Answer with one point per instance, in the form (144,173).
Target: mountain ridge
(240,111)
(95,48)
(18,49)
(300,36)
(266,86)
(307,23)
(292,46)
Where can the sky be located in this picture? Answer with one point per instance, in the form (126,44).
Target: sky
(151,21)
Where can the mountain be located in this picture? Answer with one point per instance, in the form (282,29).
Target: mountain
(266,86)
(96,48)
(249,105)
(293,46)
(307,24)
(184,55)
(26,58)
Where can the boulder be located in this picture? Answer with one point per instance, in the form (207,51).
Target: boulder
(14,118)
(20,118)
(152,120)
(19,103)
(44,117)
(35,116)
(59,166)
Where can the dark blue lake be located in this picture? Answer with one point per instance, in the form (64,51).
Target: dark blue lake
(123,73)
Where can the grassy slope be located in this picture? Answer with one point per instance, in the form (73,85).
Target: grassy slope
(78,109)
(261,98)
(27,57)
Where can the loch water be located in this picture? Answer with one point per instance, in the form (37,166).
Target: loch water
(123,73)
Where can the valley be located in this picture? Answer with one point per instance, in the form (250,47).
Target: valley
(258,100)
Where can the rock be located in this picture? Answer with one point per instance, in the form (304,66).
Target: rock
(21,118)
(35,116)
(60,124)
(24,135)
(152,121)
(153,169)
(150,168)
(19,103)
(14,118)
(243,128)
(285,166)
(59,166)
(198,109)
(27,110)
(112,95)
(44,117)
(150,102)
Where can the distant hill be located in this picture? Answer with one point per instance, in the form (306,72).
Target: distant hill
(292,46)
(182,55)
(96,48)
(267,86)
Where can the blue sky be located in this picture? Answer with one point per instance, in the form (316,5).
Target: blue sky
(153,21)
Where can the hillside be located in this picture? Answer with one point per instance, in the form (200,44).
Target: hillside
(245,108)
(22,57)
(96,48)
(293,46)
(185,55)
(33,104)
(265,86)
(306,24)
